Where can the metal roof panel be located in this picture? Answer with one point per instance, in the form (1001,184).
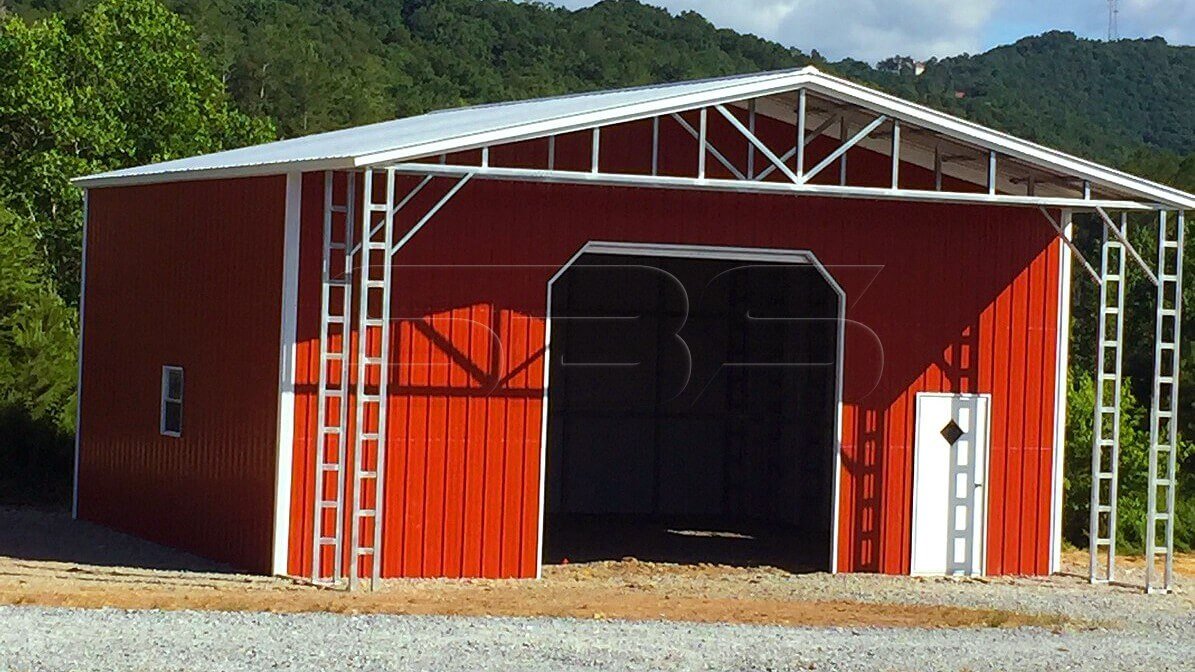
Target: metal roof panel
(469,127)
(343,148)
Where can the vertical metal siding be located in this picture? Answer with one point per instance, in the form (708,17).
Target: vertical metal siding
(185,273)
(946,298)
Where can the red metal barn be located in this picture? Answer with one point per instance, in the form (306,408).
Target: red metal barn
(777,318)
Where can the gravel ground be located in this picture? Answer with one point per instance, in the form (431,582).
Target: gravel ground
(47,559)
(33,638)
(1069,594)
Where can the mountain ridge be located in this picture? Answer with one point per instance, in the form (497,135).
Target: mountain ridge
(314,65)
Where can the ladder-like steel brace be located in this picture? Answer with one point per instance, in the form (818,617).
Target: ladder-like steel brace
(336,300)
(372,373)
(1163,412)
(1105,449)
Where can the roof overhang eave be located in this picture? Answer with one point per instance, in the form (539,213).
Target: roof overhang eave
(116,179)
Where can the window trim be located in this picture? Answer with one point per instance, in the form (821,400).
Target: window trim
(166,400)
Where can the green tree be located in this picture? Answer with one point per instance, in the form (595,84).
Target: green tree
(119,84)
(1133,470)
(37,372)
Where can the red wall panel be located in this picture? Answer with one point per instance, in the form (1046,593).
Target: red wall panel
(955,298)
(188,274)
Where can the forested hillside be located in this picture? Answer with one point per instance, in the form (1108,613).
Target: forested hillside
(93,84)
(313,65)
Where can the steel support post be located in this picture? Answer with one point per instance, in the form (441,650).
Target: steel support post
(332,396)
(1163,412)
(372,370)
(1105,448)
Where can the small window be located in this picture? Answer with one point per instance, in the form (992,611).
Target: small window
(172,401)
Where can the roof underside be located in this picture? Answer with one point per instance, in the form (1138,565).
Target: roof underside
(929,138)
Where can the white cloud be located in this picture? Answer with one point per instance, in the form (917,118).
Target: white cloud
(1172,19)
(864,29)
(874,29)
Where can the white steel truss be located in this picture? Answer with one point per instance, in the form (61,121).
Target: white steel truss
(815,112)
(994,179)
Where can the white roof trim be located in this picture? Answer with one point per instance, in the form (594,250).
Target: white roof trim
(424,136)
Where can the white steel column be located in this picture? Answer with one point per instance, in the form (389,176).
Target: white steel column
(332,397)
(372,368)
(800,144)
(750,147)
(79,370)
(1163,412)
(1105,448)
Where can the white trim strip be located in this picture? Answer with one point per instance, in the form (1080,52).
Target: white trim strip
(79,369)
(284,469)
(1062,366)
(221,173)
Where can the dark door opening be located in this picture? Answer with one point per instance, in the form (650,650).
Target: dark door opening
(691,412)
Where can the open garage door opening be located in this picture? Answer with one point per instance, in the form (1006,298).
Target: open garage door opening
(692,407)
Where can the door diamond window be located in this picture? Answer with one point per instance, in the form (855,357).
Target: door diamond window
(951,432)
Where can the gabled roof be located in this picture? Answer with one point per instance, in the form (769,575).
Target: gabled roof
(466,128)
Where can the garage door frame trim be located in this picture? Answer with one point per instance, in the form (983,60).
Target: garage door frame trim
(722,253)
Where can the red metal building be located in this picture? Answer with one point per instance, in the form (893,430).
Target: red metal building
(781,318)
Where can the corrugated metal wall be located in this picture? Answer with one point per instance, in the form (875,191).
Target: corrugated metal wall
(187,274)
(940,298)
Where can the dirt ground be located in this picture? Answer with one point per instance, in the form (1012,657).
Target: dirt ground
(47,559)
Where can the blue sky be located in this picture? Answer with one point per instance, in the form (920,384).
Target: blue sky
(874,29)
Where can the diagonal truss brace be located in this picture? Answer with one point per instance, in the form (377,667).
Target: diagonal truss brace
(1111,226)
(801,176)
(394,210)
(1071,244)
(709,147)
(842,149)
(787,156)
(402,242)
(758,144)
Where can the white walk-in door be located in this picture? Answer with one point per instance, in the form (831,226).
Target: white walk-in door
(950,464)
